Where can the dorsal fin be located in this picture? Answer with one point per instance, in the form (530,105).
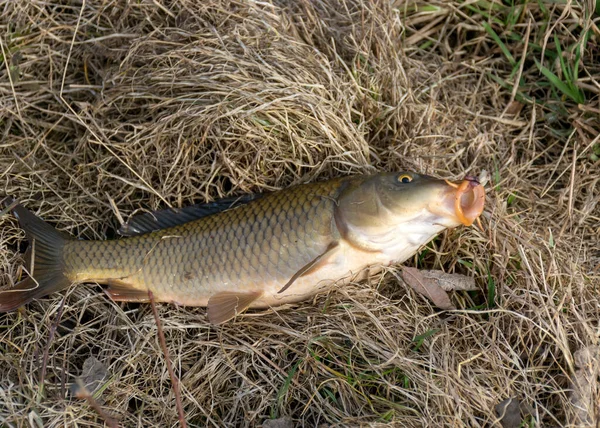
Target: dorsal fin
(162,219)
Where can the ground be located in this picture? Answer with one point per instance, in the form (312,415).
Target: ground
(109,108)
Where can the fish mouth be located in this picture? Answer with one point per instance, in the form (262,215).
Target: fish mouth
(465,200)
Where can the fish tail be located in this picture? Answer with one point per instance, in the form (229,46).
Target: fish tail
(44,260)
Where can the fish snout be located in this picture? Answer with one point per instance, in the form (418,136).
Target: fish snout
(466,200)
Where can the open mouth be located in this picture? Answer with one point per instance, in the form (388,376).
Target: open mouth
(468,200)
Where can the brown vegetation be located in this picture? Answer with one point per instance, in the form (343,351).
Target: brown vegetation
(107,108)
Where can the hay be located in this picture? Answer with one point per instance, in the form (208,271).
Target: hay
(112,107)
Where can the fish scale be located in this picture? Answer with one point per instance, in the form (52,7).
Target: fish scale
(266,241)
(254,250)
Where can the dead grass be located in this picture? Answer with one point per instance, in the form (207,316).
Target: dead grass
(140,105)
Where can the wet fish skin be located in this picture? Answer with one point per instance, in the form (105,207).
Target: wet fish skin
(242,249)
(279,248)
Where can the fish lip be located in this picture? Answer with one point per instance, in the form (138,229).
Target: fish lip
(465,200)
(460,203)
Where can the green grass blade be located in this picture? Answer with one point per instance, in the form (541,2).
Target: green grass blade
(486,15)
(285,387)
(491,285)
(572,93)
(418,340)
(565,70)
(579,48)
(499,42)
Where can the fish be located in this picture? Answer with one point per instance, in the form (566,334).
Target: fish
(254,251)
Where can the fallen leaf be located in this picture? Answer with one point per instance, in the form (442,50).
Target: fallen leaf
(93,374)
(427,287)
(514,108)
(450,281)
(585,395)
(509,412)
(484,177)
(284,422)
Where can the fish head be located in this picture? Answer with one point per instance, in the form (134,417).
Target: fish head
(405,209)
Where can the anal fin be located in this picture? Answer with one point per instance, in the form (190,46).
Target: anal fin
(226,305)
(122,291)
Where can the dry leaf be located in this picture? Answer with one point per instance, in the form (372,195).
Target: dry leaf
(450,281)
(427,287)
(93,374)
(514,108)
(284,422)
(585,396)
(509,412)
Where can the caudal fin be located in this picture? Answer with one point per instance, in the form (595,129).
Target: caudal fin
(47,270)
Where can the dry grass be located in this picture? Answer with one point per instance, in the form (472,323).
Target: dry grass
(109,107)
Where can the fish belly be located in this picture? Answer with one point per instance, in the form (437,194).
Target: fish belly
(346,264)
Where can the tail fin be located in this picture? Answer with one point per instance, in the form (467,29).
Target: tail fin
(46,251)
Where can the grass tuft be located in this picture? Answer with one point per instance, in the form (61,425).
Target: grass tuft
(109,108)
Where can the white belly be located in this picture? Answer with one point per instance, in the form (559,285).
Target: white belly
(345,264)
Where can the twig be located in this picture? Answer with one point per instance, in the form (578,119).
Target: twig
(50,338)
(163,345)
(515,89)
(572,183)
(82,392)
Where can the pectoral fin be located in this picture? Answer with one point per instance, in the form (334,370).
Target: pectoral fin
(225,305)
(312,266)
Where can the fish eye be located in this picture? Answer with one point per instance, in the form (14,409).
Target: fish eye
(404,178)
